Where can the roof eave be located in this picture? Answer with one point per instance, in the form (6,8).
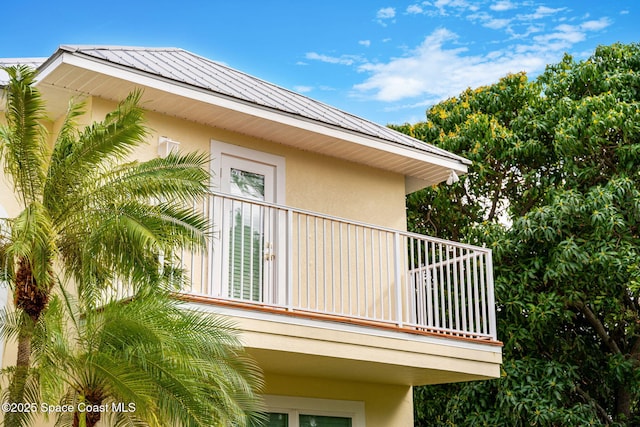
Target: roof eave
(72,57)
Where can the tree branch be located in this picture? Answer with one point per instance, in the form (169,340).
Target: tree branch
(603,413)
(635,351)
(598,326)
(496,199)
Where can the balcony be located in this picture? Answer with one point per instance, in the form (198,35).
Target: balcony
(279,260)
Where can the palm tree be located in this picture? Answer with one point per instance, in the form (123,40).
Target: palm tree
(87,211)
(146,361)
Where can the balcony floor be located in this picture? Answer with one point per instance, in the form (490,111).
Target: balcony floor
(310,344)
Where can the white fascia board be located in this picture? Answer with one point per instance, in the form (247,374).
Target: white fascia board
(203,95)
(48,67)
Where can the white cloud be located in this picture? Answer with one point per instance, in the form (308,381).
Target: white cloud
(444,7)
(501,6)
(543,12)
(597,25)
(489,21)
(434,71)
(564,36)
(365,43)
(496,24)
(343,59)
(442,65)
(303,89)
(415,9)
(386,13)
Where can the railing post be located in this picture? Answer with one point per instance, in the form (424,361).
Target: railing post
(491,296)
(289,272)
(398,265)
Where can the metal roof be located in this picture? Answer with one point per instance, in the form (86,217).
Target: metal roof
(185,67)
(7,62)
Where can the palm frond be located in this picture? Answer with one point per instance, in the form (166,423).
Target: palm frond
(59,179)
(180,179)
(23,139)
(127,239)
(79,159)
(112,139)
(179,367)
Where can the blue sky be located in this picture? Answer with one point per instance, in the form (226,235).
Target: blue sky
(384,60)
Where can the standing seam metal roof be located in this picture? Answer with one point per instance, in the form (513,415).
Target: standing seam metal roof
(194,70)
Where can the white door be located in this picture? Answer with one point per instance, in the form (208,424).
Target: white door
(246,264)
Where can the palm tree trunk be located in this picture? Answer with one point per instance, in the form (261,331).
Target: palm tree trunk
(88,418)
(32,300)
(19,379)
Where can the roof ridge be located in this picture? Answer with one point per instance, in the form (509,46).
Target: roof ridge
(81,47)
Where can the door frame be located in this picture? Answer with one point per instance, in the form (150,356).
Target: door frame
(219,149)
(217,266)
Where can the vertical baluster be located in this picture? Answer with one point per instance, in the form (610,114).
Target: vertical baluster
(323,283)
(398,257)
(483,294)
(341,268)
(310,263)
(332,258)
(349,284)
(390,257)
(463,282)
(441,282)
(476,294)
(449,296)
(416,268)
(470,303)
(433,287)
(456,294)
(491,297)
(357,263)
(289,260)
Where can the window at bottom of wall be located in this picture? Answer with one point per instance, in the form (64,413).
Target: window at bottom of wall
(282,420)
(286,411)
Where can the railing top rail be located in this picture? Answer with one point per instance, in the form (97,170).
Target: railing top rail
(351,222)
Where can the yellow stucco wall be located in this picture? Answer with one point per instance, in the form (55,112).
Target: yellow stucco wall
(385,405)
(313,182)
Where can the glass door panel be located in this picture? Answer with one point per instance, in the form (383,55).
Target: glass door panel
(278,420)
(244,258)
(282,420)
(246,236)
(322,421)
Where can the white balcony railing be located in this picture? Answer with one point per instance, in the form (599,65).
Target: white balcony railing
(284,258)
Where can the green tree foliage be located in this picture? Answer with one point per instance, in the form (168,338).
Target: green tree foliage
(554,190)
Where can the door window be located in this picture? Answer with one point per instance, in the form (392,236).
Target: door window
(247,236)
